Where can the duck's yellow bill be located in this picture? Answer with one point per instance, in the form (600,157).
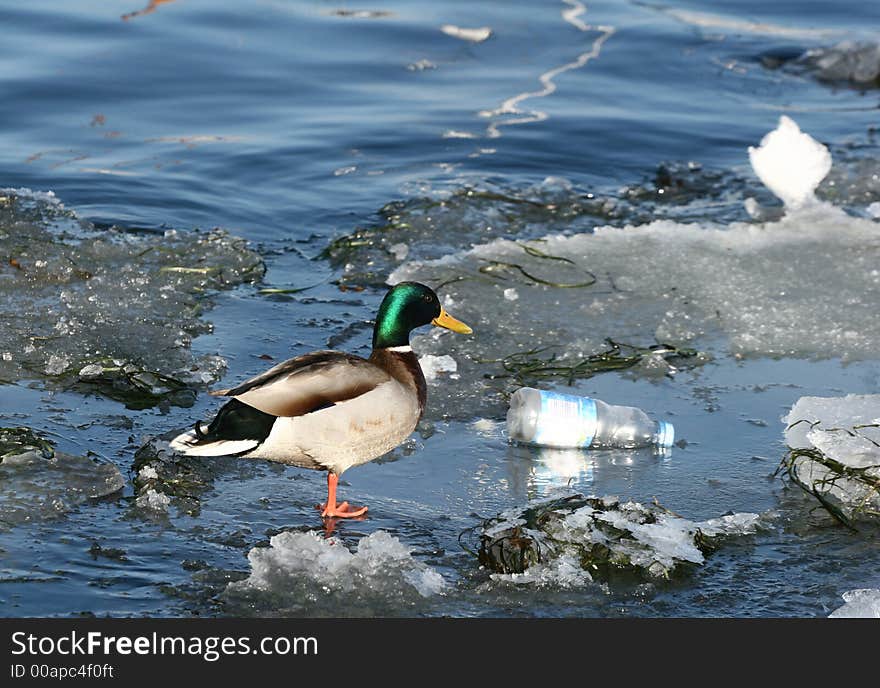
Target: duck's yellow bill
(450,323)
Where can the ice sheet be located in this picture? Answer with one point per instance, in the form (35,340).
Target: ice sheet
(109,309)
(38,483)
(860,604)
(805,284)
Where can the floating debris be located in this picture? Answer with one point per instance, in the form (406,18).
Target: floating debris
(834,454)
(574,539)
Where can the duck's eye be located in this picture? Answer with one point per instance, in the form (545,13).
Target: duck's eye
(428,298)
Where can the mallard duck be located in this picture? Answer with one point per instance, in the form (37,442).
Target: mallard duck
(329,410)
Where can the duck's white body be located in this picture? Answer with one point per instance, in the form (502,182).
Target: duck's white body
(327,410)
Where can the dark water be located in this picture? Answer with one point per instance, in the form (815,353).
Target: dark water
(292,124)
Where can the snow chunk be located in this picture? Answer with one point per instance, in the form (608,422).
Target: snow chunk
(790,163)
(380,564)
(860,604)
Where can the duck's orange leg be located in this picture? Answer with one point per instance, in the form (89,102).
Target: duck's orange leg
(331,509)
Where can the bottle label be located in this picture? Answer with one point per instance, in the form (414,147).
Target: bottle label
(566,420)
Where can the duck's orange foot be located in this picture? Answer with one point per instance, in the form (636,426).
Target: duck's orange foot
(342,510)
(330,509)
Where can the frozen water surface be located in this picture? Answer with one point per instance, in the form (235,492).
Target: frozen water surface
(39,484)
(110,309)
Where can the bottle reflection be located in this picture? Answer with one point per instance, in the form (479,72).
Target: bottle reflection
(537,472)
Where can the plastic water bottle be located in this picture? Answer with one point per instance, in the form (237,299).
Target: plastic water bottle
(551,419)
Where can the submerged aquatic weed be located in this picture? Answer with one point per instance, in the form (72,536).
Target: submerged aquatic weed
(527,367)
(19,440)
(443,224)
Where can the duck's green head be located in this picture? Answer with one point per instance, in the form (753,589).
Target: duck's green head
(406,306)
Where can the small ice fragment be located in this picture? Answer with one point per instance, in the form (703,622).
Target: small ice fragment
(473,35)
(874,210)
(344,170)
(421,66)
(426,581)
(148,473)
(457,134)
(399,251)
(752,208)
(153,501)
(22,192)
(57,364)
(433,365)
(790,163)
(484,426)
(860,604)
(511,294)
(731,524)
(91,370)
(844,439)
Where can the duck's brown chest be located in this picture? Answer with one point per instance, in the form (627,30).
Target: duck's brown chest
(404,367)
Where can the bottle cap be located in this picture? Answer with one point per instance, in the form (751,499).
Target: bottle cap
(665,434)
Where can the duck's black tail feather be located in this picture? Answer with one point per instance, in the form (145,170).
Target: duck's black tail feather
(236,429)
